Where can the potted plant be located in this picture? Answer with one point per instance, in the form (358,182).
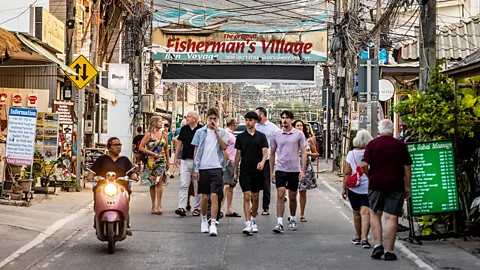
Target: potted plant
(44,170)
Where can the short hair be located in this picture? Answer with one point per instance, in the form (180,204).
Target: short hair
(194,114)
(231,122)
(362,138)
(251,115)
(262,110)
(385,127)
(213,111)
(110,141)
(139,129)
(288,113)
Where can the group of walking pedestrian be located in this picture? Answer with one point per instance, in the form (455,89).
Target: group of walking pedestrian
(214,161)
(377,179)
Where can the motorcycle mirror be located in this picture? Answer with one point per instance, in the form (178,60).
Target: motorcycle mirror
(91,171)
(133,168)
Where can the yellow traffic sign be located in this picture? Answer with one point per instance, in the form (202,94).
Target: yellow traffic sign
(85,70)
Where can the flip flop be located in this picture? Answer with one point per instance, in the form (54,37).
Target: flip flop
(159,212)
(265,213)
(196,213)
(234,214)
(154,212)
(303,219)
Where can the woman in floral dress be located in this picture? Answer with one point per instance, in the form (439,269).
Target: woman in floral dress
(310,181)
(155,145)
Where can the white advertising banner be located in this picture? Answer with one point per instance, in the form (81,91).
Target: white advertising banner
(118,76)
(22,124)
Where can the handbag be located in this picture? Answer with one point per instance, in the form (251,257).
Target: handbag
(354,180)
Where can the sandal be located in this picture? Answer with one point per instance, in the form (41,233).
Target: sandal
(303,219)
(160,212)
(265,213)
(181,212)
(234,214)
(196,213)
(154,211)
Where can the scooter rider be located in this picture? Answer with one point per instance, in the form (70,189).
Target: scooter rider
(112,162)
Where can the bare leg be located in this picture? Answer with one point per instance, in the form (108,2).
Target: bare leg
(159,193)
(246,205)
(204,204)
(225,190)
(303,202)
(214,199)
(292,195)
(255,199)
(152,198)
(229,195)
(365,216)
(390,231)
(280,201)
(357,223)
(376,223)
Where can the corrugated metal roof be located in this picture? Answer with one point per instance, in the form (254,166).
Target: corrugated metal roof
(455,41)
(469,60)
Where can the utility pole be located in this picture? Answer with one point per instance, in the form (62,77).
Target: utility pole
(379,28)
(175,105)
(221,105)
(427,40)
(183,100)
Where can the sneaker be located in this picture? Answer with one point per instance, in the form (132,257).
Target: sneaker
(210,222)
(378,252)
(278,228)
(292,225)
(204,228)
(366,244)
(390,256)
(254,227)
(248,229)
(213,230)
(356,241)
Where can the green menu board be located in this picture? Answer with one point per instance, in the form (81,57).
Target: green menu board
(434,185)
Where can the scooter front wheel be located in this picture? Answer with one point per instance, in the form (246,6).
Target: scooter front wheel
(110,234)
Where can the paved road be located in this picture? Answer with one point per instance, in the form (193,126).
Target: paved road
(170,242)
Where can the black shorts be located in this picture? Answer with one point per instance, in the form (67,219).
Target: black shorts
(251,181)
(389,202)
(211,181)
(357,200)
(288,180)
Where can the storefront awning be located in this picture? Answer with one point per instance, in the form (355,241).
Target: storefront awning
(40,50)
(106,93)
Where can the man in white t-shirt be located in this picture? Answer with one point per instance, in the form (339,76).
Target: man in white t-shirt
(209,163)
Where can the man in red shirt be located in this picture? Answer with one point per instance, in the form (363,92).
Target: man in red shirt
(387,164)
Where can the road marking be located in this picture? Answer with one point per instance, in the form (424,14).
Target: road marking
(59,255)
(345,216)
(398,245)
(45,234)
(330,187)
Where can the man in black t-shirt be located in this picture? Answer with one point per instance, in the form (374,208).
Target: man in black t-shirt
(136,140)
(112,162)
(252,151)
(185,164)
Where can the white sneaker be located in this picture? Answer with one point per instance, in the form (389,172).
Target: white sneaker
(213,230)
(254,227)
(204,227)
(248,229)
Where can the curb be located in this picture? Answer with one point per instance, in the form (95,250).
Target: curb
(37,198)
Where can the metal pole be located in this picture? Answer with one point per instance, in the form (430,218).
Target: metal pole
(327,150)
(369,96)
(79,135)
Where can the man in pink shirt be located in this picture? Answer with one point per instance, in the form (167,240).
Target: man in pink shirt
(229,184)
(285,146)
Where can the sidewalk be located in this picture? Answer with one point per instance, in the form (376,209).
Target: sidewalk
(20,225)
(447,254)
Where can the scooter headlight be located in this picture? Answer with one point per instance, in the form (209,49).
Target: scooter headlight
(111,190)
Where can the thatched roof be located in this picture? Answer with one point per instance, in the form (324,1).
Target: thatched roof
(9,43)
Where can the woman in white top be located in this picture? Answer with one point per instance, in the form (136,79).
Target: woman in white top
(358,196)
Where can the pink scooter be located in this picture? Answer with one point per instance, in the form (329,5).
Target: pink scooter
(111,209)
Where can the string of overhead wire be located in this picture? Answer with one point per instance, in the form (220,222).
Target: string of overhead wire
(13,18)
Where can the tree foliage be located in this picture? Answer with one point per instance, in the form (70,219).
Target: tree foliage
(431,114)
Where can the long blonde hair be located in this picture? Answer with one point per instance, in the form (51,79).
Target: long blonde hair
(152,124)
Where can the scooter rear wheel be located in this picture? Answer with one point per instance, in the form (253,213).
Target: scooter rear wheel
(110,234)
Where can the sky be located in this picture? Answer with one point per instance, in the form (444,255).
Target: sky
(12,8)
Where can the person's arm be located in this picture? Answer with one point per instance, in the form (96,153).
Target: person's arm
(272,163)
(226,155)
(222,140)
(304,163)
(196,171)
(408,180)
(313,149)
(238,158)
(347,172)
(264,159)
(143,144)
(167,154)
(364,165)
